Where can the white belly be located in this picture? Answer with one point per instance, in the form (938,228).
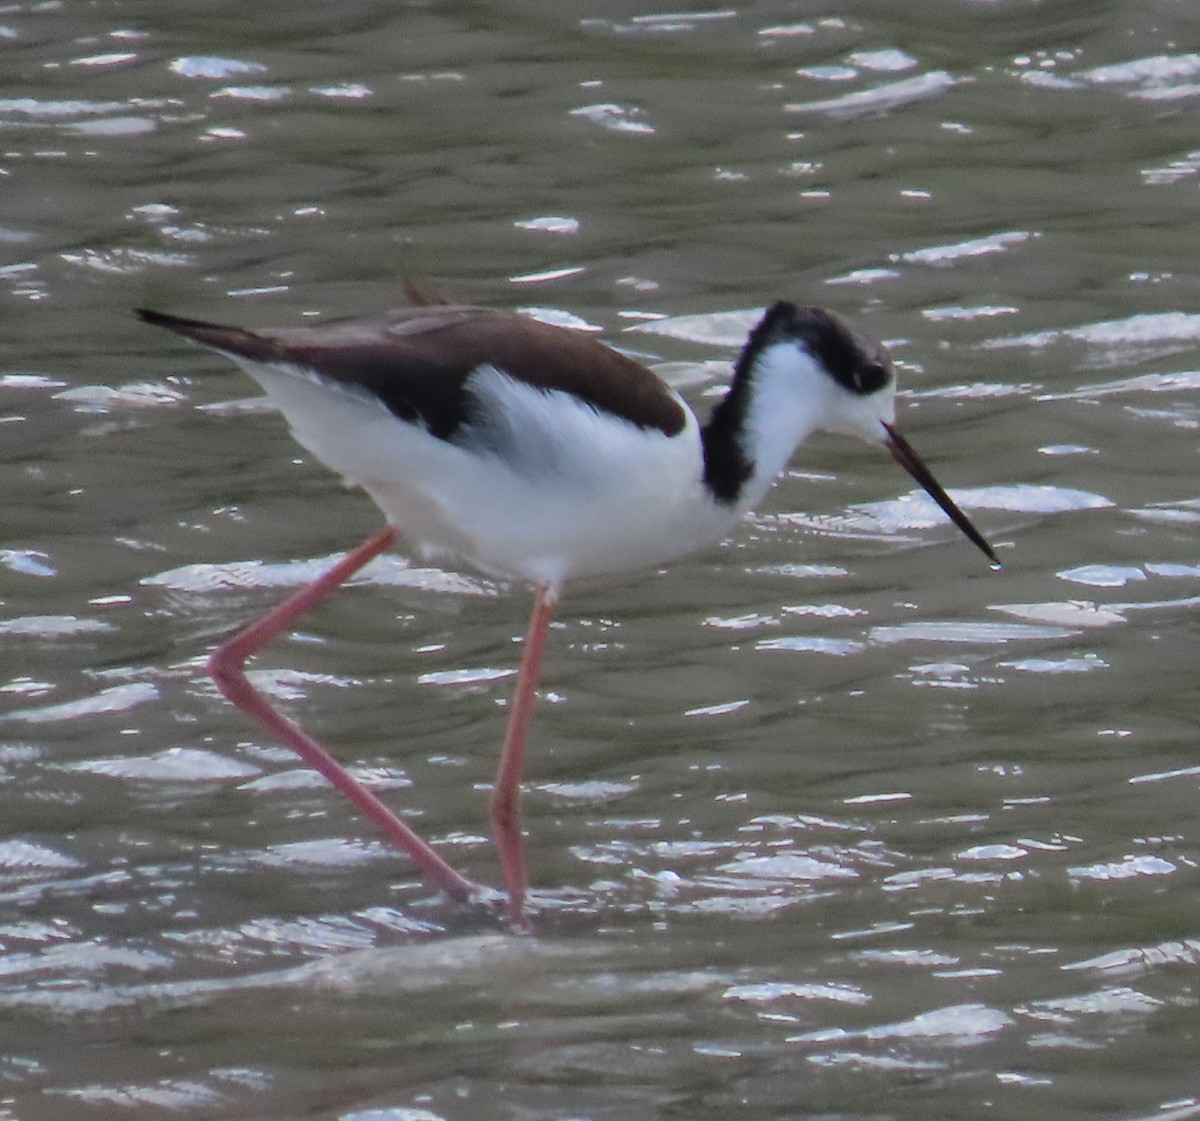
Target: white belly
(541,489)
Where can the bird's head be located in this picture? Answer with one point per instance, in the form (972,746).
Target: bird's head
(822,370)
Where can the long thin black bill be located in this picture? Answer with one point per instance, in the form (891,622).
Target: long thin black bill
(903,454)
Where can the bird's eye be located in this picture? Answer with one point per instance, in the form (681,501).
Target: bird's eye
(870,377)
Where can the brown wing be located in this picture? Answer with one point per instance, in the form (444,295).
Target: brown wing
(417,362)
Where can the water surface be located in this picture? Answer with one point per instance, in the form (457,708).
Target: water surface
(829,820)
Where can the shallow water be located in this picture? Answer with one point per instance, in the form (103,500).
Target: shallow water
(829,820)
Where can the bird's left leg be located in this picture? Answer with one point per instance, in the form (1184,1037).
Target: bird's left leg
(227,666)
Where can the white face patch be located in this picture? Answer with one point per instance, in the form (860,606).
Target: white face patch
(794,396)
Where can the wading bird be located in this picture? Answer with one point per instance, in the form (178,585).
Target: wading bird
(537,454)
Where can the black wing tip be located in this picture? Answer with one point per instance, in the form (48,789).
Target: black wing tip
(178,323)
(234,342)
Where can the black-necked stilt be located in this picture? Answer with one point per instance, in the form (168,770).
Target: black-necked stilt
(538,454)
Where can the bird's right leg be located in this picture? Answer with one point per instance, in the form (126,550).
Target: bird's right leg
(506,793)
(227,663)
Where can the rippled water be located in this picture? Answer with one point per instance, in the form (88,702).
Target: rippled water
(830,821)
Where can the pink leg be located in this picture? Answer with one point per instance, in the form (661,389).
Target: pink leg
(226,666)
(506,794)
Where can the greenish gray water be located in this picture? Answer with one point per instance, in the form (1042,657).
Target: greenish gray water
(829,821)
